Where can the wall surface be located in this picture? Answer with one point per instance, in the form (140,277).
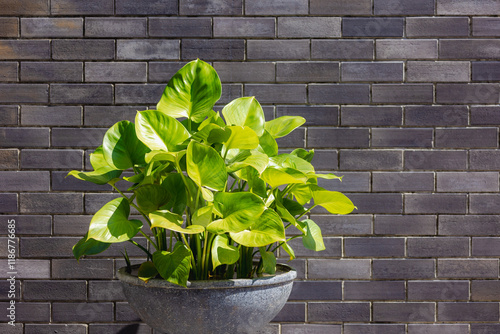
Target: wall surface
(401,97)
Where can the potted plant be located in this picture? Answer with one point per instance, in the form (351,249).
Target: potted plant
(218,199)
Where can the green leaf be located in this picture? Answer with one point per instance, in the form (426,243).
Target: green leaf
(284,213)
(177,191)
(286,160)
(100,176)
(121,147)
(302,193)
(301,153)
(97,159)
(159,131)
(174,267)
(293,207)
(277,176)
(202,216)
(222,252)
(255,184)
(268,261)
(286,247)
(205,166)
(245,111)
(151,197)
(313,239)
(147,271)
(333,201)
(239,210)
(328,176)
(172,221)
(266,230)
(158,155)
(110,224)
(268,145)
(283,125)
(253,158)
(87,246)
(235,136)
(191,92)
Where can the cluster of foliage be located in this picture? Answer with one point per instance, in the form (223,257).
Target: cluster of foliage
(214,190)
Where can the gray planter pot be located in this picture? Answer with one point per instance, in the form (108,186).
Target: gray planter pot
(219,307)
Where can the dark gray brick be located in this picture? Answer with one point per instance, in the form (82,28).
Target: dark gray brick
(371,160)
(374,290)
(278,49)
(442,71)
(55,328)
(8,71)
(467,311)
(437,26)
(485,246)
(374,329)
(81,93)
(236,71)
(291,312)
(403,181)
(24,181)
(372,27)
(115,27)
(469,225)
(374,247)
(29,269)
(269,93)
(61,183)
(32,312)
(338,269)
(79,7)
(83,269)
(342,49)
(377,203)
(231,92)
(469,48)
(52,72)
(32,224)
(351,182)
(116,328)
(9,27)
(57,115)
(339,93)
(344,225)
(24,137)
(440,160)
(467,93)
(467,138)
(485,290)
(484,160)
(109,115)
(304,27)
(467,268)
(369,71)
(436,115)
(486,71)
(24,93)
(407,137)
(438,329)
(213,49)
(406,49)
(316,290)
(307,71)
(72,49)
(438,290)
(337,137)
(326,160)
(45,247)
(464,7)
(405,225)
(73,137)
(71,224)
(105,291)
(125,313)
(163,71)
(211,7)
(51,27)
(485,26)
(241,27)
(180,27)
(116,72)
(150,93)
(438,247)
(403,7)
(338,311)
(32,8)
(278,7)
(484,115)
(402,93)
(88,312)
(403,312)
(310,329)
(333,248)
(296,139)
(435,203)
(55,290)
(341,7)
(9,115)
(403,269)
(5,286)
(93,202)
(371,115)
(484,328)
(146,7)
(51,203)
(467,181)
(315,115)
(9,158)
(484,203)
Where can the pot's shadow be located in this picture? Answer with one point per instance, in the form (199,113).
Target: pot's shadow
(130,329)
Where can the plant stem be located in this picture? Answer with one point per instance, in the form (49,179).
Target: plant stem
(141,247)
(193,262)
(149,239)
(312,207)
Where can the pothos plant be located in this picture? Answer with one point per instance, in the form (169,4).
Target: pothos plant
(215,192)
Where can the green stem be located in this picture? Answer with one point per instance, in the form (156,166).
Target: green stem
(193,262)
(312,207)
(281,243)
(141,247)
(149,239)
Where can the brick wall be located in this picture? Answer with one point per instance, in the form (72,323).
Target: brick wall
(400,96)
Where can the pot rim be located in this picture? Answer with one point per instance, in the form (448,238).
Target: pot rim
(284,274)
